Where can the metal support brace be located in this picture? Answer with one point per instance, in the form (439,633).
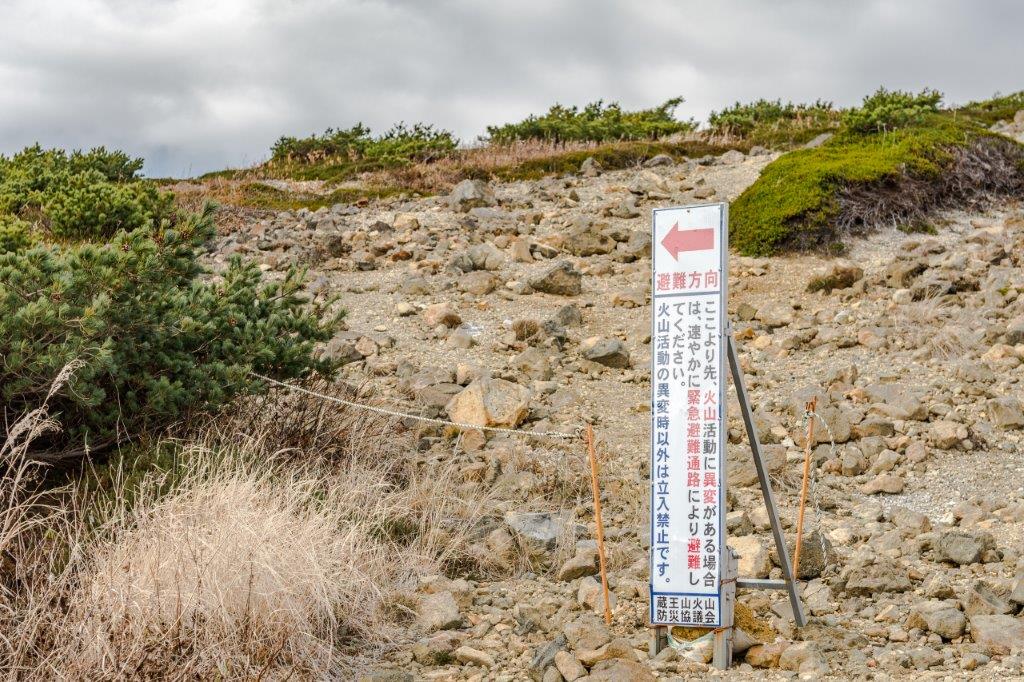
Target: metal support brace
(766,490)
(722,656)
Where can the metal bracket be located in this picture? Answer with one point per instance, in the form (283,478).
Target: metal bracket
(788,583)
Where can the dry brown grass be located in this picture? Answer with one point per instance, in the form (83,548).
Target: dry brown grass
(253,559)
(945,329)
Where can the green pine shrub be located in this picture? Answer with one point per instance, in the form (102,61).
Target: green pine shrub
(15,234)
(399,145)
(773,123)
(82,195)
(893,165)
(596,122)
(124,294)
(888,110)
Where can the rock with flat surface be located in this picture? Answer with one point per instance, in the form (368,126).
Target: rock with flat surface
(883,575)
(941,617)
(960,547)
(755,561)
(490,402)
(540,530)
(438,611)
(998,635)
(621,671)
(471,656)
(561,279)
(471,194)
(1005,412)
(607,352)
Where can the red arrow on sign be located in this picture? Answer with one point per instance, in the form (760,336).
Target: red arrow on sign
(677,241)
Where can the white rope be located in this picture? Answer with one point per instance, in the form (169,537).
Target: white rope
(406,415)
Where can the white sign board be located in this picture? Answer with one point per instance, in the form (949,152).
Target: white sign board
(688,434)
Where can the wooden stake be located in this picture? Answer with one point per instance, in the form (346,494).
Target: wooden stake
(599,523)
(803,490)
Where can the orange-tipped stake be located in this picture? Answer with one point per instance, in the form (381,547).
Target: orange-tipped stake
(598,523)
(803,489)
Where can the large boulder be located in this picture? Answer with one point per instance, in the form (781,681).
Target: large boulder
(942,618)
(471,194)
(998,634)
(1005,412)
(960,547)
(561,279)
(608,352)
(490,402)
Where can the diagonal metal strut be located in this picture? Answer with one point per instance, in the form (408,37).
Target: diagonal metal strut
(766,491)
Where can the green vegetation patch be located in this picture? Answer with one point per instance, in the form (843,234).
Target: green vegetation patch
(990,111)
(893,162)
(772,123)
(82,195)
(115,288)
(596,122)
(262,196)
(400,144)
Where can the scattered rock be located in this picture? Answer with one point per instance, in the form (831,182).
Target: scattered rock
(962,547)
(540,530)
(471,194)
(942,618)
(561,279)
(755,561)
(490,402)
(891,484)
(1005,412)
(608,352)
(841,274)
(998,635)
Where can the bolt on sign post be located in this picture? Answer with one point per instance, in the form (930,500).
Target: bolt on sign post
(688,429)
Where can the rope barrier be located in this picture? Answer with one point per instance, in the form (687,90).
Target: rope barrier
(405,415)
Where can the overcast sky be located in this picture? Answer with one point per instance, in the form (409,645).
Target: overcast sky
(198,85)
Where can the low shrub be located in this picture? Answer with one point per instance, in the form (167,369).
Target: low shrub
(82,195)
(773,123)
(15,234)
(857,181)
(356,145)
(108,279)
(990,111)
(888,110)
(596,122)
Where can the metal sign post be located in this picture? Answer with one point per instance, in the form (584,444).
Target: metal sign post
(693,576)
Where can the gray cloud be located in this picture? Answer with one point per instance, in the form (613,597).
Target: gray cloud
(197,85)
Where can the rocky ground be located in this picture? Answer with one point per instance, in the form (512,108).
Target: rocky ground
(526,305)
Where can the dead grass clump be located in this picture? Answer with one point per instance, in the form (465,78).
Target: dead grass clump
(252,558)
(235,572)
(526,329)
(827,283)
(947,331)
